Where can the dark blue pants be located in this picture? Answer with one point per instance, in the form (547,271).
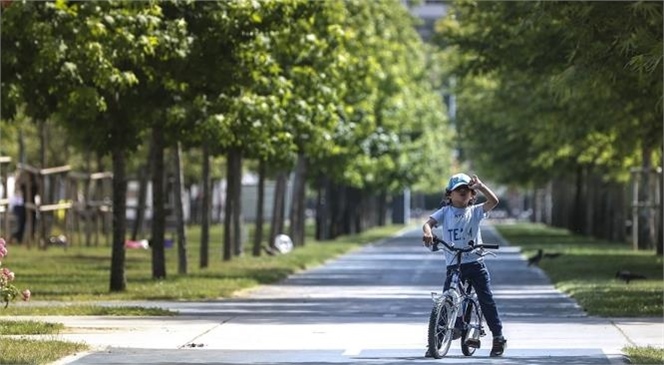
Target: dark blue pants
(19,212)
(478,275)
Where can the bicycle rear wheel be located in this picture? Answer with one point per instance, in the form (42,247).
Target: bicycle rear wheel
(472,322)
(439,336)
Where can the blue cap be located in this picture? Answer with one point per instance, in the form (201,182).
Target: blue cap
(458,180)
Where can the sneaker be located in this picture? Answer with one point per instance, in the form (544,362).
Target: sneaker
(427,354)
(499,344)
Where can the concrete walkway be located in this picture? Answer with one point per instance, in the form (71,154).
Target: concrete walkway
(367,307)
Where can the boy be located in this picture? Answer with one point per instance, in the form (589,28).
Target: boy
(460,219)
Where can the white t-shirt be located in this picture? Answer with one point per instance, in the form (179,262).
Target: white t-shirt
(457,226)
(16,200)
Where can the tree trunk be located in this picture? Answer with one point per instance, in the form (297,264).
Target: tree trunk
(322,210)
(205,210)
(158,208)
(297,213)
(351,210)
(590,188)
(338,210)
(277,225)
(43,145)
(563,197)
(258,236)
(660,210)
(178,195)
(555,203)
(118,281)
(221,204)
(646,226)
(88,209)
(599,217)
(228,211)
(21,146)
(382,208)
(98,187)
(360,211)
(578,212)
(144,175)
(347,215)
(238,244)
(619,211)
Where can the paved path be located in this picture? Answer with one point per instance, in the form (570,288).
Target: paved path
(367,307)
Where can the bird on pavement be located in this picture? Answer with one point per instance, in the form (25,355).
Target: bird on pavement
(534,260)
(269,250)
(628,276)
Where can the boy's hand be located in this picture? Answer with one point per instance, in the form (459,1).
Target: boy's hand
(427,239)
(475,183)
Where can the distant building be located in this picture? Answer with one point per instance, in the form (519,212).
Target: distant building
(428,11)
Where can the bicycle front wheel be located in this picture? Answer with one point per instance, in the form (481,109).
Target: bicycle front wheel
(439,335)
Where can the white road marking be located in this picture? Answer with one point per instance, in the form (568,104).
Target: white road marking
(352,352)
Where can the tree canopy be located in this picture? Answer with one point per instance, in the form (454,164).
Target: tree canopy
(554,85)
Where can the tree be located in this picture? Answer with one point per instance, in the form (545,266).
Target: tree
(231,37)
(100,105)
(573,79)
(389,109)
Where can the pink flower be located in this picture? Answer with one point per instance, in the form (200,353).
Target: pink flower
(7,274)
(8,291)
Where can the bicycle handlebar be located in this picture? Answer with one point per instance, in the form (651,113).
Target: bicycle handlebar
(471,245)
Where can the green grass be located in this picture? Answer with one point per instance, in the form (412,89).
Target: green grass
(81,273)
(644,355)
(28,351)
(63,309)
(587,270)
(29,328)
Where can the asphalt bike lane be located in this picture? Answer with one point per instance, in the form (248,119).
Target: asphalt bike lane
(370,306)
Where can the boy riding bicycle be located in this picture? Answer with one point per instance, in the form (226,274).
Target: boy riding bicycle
(460,219)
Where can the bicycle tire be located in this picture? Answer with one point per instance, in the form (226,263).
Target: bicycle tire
(439,336)
(471,318)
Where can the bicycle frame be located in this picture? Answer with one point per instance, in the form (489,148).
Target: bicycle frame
(454,301)
(459,294)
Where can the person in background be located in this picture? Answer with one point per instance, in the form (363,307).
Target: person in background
(26,189)
(17,205)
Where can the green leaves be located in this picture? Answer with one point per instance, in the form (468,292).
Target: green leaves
(347,83)
(385,107)
(559,82)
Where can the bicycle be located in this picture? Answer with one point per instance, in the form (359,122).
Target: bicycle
(459,298)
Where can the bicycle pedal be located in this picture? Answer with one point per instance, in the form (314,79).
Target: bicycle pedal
(473,342)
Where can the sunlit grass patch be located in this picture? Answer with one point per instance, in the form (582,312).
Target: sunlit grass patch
(587,267)
(12,327)
(27,351)
(644,354)
(84,310)
(617,299)
(81,273)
